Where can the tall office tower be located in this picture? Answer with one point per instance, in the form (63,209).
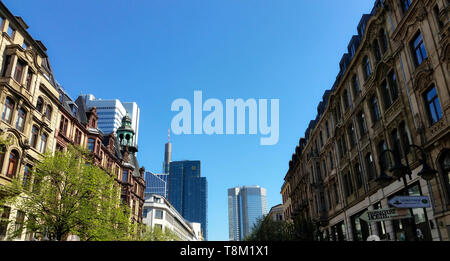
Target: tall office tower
(111,112)
(156,184)
(167,155)
(188,192)
(245,206)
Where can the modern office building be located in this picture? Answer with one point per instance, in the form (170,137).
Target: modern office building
(158,212)
(188,192)
(245,206)
(111,112)
(156,184)
(392,91)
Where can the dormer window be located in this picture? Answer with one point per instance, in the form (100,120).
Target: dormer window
(10,31)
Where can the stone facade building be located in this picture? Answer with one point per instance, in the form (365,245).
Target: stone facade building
(392,90)
(38,117)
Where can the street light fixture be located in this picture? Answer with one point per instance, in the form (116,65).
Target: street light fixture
(399,171)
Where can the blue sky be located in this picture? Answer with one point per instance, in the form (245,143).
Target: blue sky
(155,51)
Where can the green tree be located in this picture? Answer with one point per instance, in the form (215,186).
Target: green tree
(157,234)
(71,195)
(267,229)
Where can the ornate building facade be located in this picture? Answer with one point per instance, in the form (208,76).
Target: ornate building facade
(392,91)
(38,117)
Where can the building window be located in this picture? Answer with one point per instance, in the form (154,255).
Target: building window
(376,50)
(34,136)
(21,114)
(436,16)
(374,109)
(348,185)
(77,136)
(384,40)
(370,166)
(125,176)
(4,220)
(158,214)
(20,66)
(336,193)
(48,112)
(404,137)
(418,49)
(433,105)
(10,32)
(362,124)
(361,229)
(29,79)
(351,135)
(366,68)
(331,160)
(12,164)
(385,158)
(91,144)
(345,99)
(355,85)
(6,65)
(26,176)
(8,110)
(144,214)
(20,217)
(396,142)
(358,174)
(327,129)
(63,126)
(43,147)
(405,5)
(40,105)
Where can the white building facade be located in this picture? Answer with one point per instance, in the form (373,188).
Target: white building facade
(158,212)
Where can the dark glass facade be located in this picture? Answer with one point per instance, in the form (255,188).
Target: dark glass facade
(188,192)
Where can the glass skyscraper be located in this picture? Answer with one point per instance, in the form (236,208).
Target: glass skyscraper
(245,206)
(156,184)
(188,192)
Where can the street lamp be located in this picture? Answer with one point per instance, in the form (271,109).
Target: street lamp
(399,171)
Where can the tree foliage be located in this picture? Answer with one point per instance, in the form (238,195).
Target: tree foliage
(71,196)
(157,234)
(267,229)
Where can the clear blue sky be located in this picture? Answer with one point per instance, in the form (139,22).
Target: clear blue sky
(154,51)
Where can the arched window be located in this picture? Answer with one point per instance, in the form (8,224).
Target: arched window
(21,114)
(12,165)
(383,40)
(40,105)
(366,67)
(48,112)
(43,146)
(8,110)
(34,136)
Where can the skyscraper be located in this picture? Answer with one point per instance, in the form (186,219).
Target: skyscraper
(245,205)
(188,191)
(156,184)
(111,112)
(167,155)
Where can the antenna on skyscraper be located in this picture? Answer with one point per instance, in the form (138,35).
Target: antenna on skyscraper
(168,135)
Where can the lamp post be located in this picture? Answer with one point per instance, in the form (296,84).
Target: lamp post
(399,171)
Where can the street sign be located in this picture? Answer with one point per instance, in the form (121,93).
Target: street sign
(384,214)
(410,202)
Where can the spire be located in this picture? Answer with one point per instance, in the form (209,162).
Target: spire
(168,139)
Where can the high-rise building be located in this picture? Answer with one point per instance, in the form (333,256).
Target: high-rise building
(156,184)
(188,192)
(245,206)
(111,112)
(167,155)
